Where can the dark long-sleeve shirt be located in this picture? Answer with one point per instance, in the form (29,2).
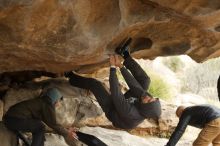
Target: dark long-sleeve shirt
(126,114)
(37,108)
(196,116)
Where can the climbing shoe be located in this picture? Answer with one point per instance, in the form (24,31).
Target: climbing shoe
(123,48)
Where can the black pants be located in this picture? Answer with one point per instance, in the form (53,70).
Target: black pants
(36,127)
(90,140)
(138,79)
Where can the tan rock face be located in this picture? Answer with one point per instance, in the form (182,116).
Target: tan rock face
(60,35)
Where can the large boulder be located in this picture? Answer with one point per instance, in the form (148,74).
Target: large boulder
(123,138)
(60,35)
(168,119)
(57,140)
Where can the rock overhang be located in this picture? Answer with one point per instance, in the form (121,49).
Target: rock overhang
(60,35)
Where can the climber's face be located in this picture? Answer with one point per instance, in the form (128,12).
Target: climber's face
(58,102)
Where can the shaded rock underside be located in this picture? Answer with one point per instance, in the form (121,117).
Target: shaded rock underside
(60,35)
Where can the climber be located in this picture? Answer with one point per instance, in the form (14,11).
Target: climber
(128,110)
(206,117)
(29,115)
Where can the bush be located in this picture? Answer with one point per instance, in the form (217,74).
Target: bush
(159,87)
(174,63)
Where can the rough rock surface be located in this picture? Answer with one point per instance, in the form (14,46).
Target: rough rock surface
(54,140)
(60,35)
(123,138)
